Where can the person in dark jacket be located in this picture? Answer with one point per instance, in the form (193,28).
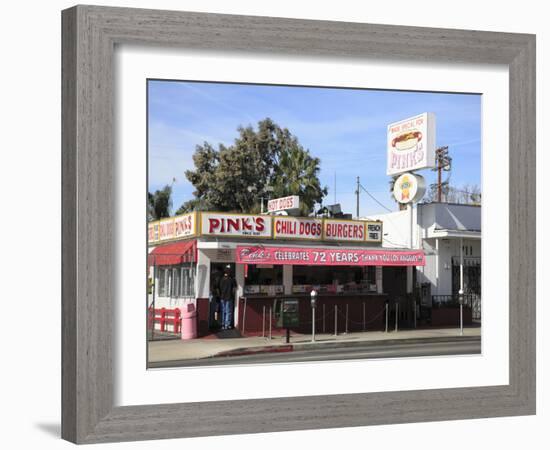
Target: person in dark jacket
(215,309)
(227,288)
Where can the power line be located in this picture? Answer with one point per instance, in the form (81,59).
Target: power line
(374,198)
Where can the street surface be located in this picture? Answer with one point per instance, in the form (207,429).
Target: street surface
(465,346)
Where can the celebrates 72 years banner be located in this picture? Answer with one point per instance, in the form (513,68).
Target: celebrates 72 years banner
(260,254)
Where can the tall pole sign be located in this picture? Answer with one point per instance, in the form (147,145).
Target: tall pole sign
(411,144)
(410,147)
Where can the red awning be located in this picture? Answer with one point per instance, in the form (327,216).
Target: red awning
(174,253)
(338,256)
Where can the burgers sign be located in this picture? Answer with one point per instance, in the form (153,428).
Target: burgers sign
(411,144)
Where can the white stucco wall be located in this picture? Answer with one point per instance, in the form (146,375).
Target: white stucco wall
(436,229)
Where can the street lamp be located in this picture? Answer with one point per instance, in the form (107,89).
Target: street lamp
(313,306)
(267,188)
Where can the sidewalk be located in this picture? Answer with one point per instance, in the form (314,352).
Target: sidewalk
(174,350)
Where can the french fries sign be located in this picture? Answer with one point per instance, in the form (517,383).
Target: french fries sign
(411,144)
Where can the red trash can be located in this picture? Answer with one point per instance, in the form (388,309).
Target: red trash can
(189,322)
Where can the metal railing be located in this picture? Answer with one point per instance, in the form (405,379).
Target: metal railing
(472,301)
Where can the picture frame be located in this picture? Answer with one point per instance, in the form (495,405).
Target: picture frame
(89,37)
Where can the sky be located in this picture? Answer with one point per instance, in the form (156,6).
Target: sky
(345,128)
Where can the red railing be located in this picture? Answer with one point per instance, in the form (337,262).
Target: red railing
(165,317)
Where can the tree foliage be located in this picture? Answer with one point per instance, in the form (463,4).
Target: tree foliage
(266,162)
(467,194)
(159,203)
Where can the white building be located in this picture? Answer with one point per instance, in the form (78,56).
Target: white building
(440,230)
(271,257)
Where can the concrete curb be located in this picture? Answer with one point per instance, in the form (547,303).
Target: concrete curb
(253,350)
(241,351)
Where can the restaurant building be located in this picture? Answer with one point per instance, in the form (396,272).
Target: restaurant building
(449,234)
(277,257)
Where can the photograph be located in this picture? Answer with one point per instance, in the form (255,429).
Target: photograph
(291,224)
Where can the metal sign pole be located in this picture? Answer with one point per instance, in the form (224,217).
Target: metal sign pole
(313,306)
(387,317)
(461,291)
(270,321)
(335,320)
(347,315)
(396,315)
(263,321)
(313,324)
(244,313)
(324,324)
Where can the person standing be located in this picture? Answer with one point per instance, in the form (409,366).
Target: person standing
(215,308)
(227,289)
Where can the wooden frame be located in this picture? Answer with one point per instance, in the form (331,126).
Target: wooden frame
(89,36)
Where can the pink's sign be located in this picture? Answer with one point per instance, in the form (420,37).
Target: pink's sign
(260,254)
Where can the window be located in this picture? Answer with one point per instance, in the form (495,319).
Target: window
(264,274)
(187,280)
(176,281)
(163,281)
(350,278)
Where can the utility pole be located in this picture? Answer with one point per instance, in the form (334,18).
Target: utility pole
(439,168)
(357,194)
(443,162)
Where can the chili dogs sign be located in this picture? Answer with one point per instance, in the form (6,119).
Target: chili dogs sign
(285,227)
(241,225)
(328,257)
(411,144)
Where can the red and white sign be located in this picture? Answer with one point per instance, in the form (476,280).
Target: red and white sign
(344,230)
(285,227)
(411,144)
(166,229)
(173,228)
(185,225)
(283,203)
(153,231)
(242,225)
(260,254)
(263,226)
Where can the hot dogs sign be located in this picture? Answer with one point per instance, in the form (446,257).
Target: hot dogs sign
(411,144)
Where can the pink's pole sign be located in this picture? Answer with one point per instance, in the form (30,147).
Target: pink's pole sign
(260,254)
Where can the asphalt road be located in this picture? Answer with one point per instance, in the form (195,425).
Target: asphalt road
(384,350)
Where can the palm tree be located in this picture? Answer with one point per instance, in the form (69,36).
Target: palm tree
(159,203)
(297,174)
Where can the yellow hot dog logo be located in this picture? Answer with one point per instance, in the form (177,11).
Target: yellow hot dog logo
(405,188)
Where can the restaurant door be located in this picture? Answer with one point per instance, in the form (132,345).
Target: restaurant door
(401,304)
(217,270)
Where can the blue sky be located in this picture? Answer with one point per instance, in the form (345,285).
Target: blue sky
(345,128)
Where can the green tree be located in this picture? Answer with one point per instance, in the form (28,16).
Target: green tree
(159,203)
(235,178)
(296,173)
